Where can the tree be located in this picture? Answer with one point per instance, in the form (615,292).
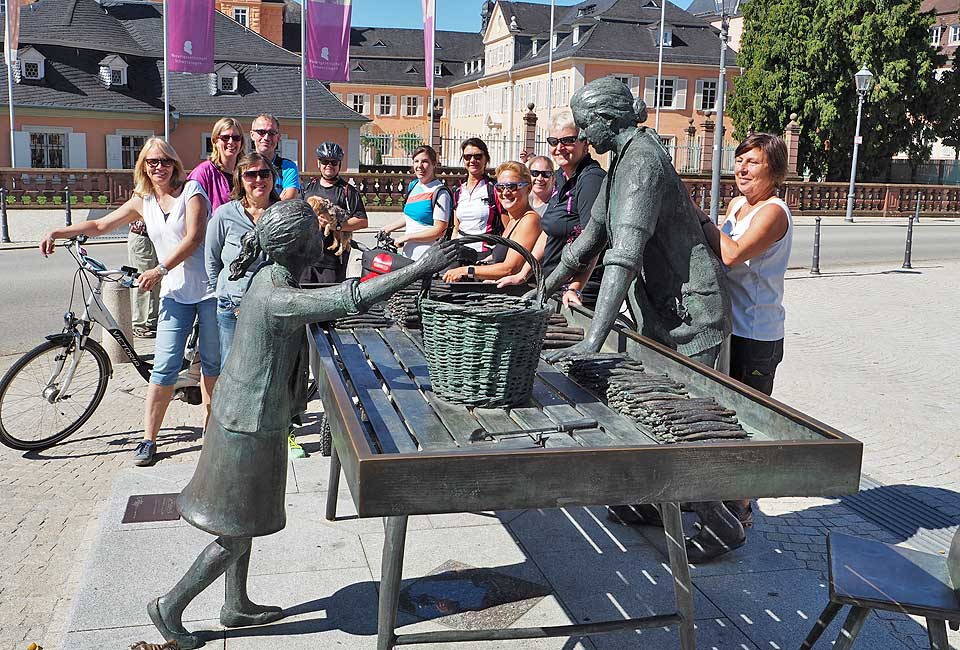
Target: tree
(410,141)
(799,56)
(948,126)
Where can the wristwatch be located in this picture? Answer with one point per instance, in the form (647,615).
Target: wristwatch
(471,273)
(163,270)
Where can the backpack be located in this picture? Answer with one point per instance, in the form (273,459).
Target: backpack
(433,203)
(494,223)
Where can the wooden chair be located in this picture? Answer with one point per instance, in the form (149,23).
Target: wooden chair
(871,575)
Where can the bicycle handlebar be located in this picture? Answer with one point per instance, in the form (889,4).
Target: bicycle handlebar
(125,275)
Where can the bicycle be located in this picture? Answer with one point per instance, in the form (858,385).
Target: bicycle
(59,384)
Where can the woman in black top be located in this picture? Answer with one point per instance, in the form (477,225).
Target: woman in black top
(578,182)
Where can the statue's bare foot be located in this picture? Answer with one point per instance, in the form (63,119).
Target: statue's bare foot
(172,630)
(252,614)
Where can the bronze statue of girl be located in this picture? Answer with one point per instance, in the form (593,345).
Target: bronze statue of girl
(237,490)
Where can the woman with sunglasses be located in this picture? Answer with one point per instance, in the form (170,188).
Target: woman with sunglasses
(478,210)
(175,212)
(520,223)
(253,192)
(215,174)
(426,212)
(542,172)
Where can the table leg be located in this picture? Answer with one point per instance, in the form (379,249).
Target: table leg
(391,571)
(851,628)
(937,631)
(683,586)
(333,484)
(823,622)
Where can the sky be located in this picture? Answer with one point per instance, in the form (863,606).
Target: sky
(454,15)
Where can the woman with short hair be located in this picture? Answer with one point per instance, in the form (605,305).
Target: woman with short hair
(215,174)
(175,212)
(520,223)
(542,172)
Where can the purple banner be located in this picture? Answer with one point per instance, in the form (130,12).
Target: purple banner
(328,40)
(190,35)
(429,40)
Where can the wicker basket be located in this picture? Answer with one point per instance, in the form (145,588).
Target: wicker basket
(483,350)
(404,309)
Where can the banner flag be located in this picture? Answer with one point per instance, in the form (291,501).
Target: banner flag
(190,36)
(429,38)
(12,41)
(328,40)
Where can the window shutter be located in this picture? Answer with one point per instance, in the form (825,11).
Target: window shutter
(698,96)
(680,96)
(21,148)
(77,150)
(290,149)
(649,91)
(635,85)
(114,152)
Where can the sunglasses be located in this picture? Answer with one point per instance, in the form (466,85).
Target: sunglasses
(509,187)
(265,133)
(567,140)
(224,138)
(467,157)
(252,174)
(331,163)
(159,162)
(546,173)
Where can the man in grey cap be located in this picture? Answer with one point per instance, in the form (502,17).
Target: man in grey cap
(331,186)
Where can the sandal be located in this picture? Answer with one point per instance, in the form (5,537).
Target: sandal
(144,332)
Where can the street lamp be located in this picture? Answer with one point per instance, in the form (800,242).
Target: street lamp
(864,78)
(724,8)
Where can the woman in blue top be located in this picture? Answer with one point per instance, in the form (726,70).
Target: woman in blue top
(253,192)
(427,209)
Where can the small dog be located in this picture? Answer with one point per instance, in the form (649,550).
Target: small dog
(328,214)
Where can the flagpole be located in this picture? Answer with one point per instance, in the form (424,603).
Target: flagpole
(303,85)
(433,77)
(9,53)
(166,78)
(550,64)
(656,98)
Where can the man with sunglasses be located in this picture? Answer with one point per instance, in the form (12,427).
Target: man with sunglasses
(333,187)
(265,133)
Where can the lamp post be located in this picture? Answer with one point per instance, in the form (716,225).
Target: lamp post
(725,8)
(864,78)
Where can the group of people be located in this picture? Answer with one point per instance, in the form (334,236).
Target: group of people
(186,230)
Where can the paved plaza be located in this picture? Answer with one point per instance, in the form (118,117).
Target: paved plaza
(868,351)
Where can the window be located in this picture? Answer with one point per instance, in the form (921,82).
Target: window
(47,149)
(667,89)
(31,70)
(360,103)
(935,33)
(411,106)
(116,77)
(954,35)
(240,15)
(379,44)
(438,104)
(385,105)
(437,70)
(706,98)
(130,146)
(673,93)
(667,37)
(228,84)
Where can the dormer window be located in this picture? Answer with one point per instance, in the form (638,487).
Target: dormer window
(667,35)
(32,64)
(556,39)
(412,69)
(358,68)
(576,34)
(379,44)
(226,78)
(536,46)
(113,71)
(438,70)
(466,67)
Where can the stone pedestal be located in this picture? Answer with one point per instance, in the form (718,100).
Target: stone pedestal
(117,299)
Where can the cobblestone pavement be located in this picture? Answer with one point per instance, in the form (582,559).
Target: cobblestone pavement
(867,352)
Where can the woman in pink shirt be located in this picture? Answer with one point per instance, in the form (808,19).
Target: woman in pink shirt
(216,174)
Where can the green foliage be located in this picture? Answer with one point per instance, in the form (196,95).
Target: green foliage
(409,141)
(799,56)
(26,199)
(368,141)
(102,200)
(41,200)
(948,126)
(11,199)
(57,199)
(73,199)
(87,198)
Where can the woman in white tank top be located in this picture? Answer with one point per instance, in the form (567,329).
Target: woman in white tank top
(754,244)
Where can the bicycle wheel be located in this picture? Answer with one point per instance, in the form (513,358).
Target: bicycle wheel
(29,420)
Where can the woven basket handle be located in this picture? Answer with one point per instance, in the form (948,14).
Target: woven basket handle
(493,240)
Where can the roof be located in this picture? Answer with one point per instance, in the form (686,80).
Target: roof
(530,16)
(269,75)
(708,8)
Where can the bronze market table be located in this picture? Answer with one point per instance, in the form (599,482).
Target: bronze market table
(404,451)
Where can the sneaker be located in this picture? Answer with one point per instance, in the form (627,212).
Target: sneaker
(296,451)
(144,332)
(145,454)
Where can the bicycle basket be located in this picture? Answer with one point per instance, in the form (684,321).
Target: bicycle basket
(483,349)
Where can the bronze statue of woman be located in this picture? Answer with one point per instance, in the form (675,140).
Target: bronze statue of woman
(237,490)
